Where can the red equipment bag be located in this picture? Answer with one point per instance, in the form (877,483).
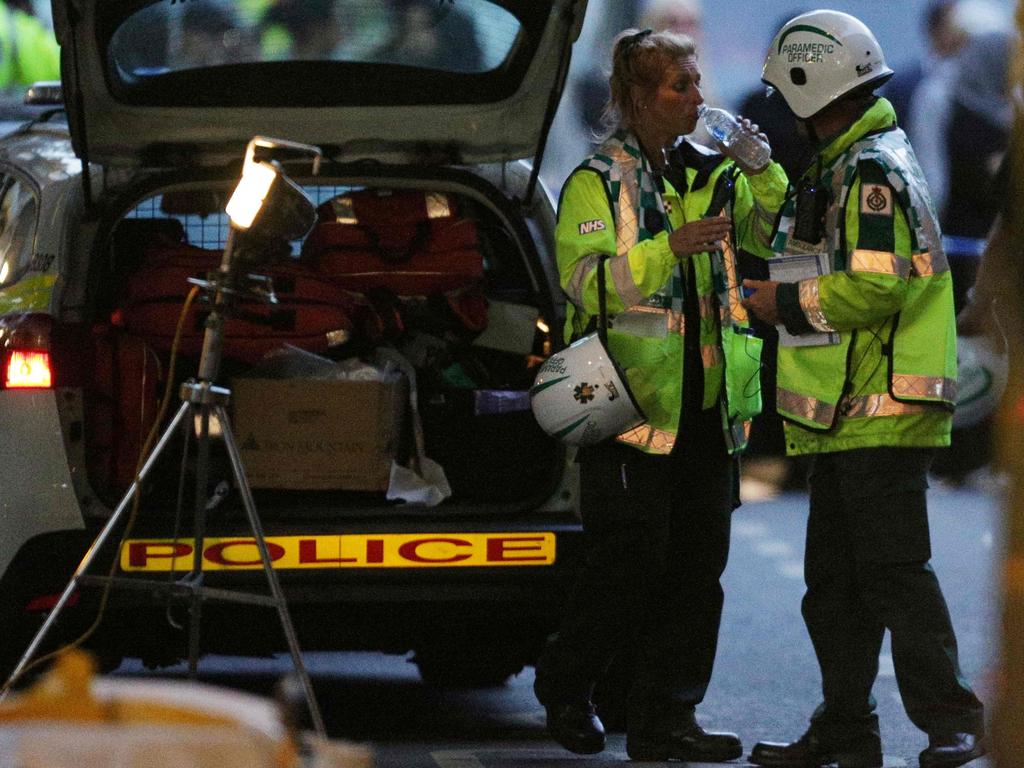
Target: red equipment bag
(121,404)
(409,242)
(312,313)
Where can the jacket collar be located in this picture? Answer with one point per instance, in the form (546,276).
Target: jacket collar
(879,117)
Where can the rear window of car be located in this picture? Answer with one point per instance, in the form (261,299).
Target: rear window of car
(458,36)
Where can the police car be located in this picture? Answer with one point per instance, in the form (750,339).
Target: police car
(135,160)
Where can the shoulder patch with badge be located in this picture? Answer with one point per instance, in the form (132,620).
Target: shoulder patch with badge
(595,225)
(876,199)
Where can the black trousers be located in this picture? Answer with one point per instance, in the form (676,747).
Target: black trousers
(657,533)
(867,570)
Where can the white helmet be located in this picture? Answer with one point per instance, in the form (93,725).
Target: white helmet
(982,372)
(821,55)
(581,397)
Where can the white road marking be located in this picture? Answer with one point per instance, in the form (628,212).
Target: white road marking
(456,759)
(531,719)
(987,540)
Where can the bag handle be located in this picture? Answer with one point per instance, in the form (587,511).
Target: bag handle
(602,301)
(406,250)
(601,321)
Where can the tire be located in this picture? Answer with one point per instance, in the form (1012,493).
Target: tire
(462,667)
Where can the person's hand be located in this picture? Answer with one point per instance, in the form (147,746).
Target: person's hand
(751,129)
(699,236)
(762,301)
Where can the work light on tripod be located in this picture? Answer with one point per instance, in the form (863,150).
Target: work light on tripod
(267,205)
(266,211)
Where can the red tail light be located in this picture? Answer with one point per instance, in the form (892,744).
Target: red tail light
(25,346)
(48,602)
(28,369)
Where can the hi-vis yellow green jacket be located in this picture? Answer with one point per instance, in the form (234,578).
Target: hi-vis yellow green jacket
(891,378)
(606,210)
(28,50)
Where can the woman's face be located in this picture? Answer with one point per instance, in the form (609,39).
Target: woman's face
(672,108)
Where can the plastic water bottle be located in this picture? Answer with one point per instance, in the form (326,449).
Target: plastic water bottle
(746,147)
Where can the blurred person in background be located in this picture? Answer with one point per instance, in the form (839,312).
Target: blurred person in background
(29,49)
(979,131)
(642,212)
(432,35)
(300,30)
(870,408)
(991,297)
(927,111)
(210,36)
(938,31)
(979,124)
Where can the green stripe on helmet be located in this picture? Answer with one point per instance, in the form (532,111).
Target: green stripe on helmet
(806,28)
(566,430)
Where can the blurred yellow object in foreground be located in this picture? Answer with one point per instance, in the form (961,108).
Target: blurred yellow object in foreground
(73,719)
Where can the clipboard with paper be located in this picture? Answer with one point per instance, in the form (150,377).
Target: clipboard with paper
(792,268)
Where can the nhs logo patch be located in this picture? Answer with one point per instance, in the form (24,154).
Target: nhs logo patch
(586,227)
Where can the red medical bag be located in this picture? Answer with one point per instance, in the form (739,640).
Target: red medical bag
(409,242)
(121,405)
(312,313)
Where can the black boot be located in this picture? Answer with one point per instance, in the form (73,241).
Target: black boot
(862,750)
(689,742)
(576,727)
(948,750)
(667,731)
(571,718)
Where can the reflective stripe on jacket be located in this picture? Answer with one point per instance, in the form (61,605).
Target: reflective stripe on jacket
(646,330)
(891,379)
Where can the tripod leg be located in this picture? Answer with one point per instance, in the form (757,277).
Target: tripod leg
(94,549)
(195,606)
(275,585)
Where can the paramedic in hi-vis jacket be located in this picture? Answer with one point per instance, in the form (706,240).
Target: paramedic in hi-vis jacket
(866,383)
(662,219)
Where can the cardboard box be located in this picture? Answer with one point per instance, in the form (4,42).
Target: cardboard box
(311,434)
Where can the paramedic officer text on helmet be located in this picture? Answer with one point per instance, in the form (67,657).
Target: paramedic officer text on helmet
(870,398)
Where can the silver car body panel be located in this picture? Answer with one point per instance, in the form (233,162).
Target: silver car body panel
(37,493)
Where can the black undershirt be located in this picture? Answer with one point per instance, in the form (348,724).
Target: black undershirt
(693,364)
